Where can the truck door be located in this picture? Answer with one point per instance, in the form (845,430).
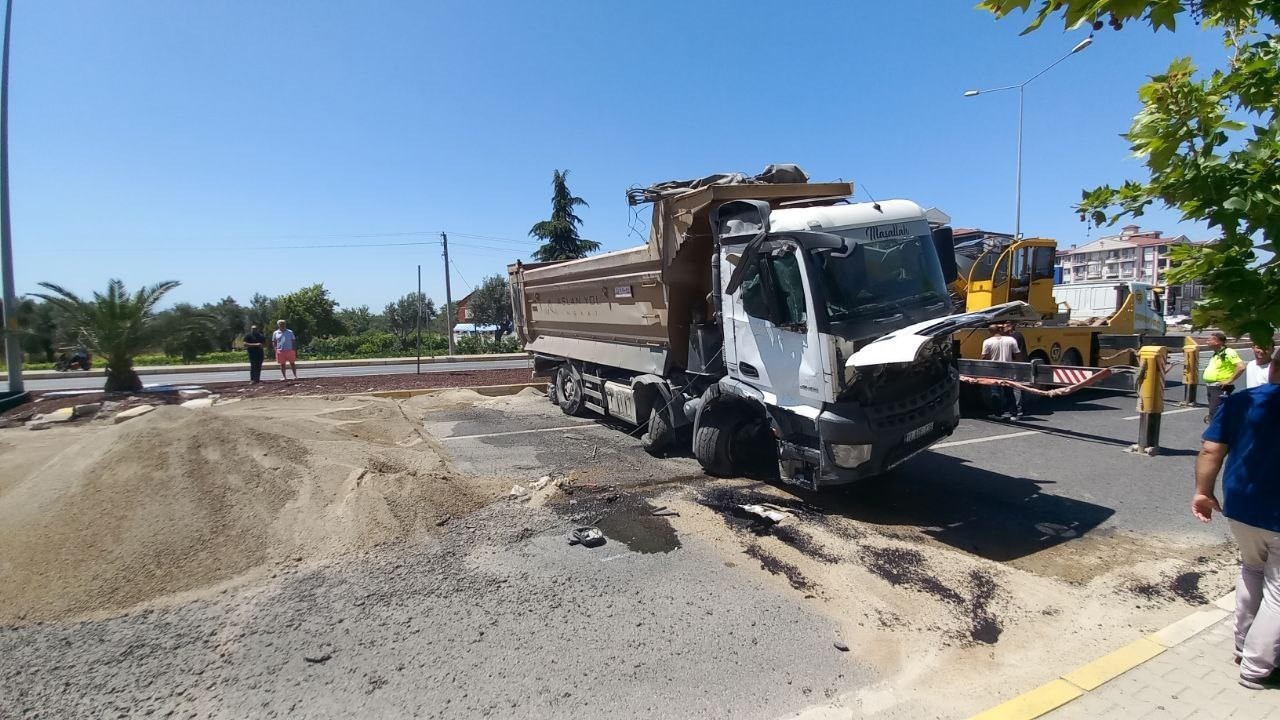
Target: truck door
(771,341)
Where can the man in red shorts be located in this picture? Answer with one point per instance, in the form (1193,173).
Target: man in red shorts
(286,345)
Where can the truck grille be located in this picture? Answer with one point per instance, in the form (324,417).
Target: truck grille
(906,413)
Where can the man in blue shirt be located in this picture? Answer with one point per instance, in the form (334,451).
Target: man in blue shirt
(1246,434)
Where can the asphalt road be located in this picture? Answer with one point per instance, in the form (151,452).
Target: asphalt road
(269,374)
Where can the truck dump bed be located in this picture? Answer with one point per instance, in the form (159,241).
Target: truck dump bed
(633,308)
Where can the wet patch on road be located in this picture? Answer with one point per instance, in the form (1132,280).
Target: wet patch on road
(1184,586)
(907,567)
(633,524)
(777,566)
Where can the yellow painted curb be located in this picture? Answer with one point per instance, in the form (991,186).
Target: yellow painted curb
(1051,695)
(1056,693)
(1113,664)
(487,390)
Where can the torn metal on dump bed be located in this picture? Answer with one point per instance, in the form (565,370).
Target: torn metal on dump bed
(762,311)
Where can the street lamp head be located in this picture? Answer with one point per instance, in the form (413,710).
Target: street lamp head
(1082,45)
(971,93)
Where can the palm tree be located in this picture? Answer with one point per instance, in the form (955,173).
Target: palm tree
(114,325)
(560,233)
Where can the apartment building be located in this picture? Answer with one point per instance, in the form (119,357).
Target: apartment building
(1135,254)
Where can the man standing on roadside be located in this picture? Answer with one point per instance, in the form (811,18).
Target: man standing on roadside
(1256,372)
(1002,348)
(1243,433)
(254,344)
(286,346)
(1221,372)
(1012,331)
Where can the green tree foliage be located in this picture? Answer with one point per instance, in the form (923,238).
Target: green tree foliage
(401,316)
(491,305)
(1211,145)
(310,313)
(559,235)
(44,329)
(230,321)
(359,320)
(187,332)
(263,312)
(114,325)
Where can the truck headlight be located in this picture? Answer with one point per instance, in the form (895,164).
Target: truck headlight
(850,456)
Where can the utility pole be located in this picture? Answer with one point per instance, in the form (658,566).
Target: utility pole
(418,321)
(12,343)
(448,294)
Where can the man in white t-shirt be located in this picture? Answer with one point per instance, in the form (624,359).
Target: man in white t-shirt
(1001,347)
(1256,371)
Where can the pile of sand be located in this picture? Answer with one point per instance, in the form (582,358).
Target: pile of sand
(181,499)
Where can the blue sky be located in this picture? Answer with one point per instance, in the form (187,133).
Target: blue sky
(205,142)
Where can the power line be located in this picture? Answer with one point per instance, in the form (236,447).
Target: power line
(460,277)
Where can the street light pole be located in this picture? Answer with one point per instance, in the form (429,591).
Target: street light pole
(1021,88)
(12,343)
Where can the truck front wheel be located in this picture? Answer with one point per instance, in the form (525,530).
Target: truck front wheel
(714,440)
(569,390)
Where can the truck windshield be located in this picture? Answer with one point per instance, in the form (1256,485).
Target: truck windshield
(880,277)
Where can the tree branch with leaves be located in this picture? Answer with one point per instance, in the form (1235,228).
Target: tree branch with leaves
(1211,146)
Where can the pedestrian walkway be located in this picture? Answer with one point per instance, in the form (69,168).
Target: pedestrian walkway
(1184,671)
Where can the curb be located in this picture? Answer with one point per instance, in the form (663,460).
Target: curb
(235,367)
(1086,678)
(486,390)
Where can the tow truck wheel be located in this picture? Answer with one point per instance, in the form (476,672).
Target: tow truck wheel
(713,442)
(569,390)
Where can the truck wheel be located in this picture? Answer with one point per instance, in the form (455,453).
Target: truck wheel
(1072,358)
(552,393)
(569,390)
(713,442)
(660,433)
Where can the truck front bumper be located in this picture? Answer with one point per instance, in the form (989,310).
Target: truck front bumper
(854,444)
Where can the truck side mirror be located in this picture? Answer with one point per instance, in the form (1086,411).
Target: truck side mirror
(738,221)
(945,246)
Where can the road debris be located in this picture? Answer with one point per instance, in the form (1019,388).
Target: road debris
(586,537)
(318,657)
(769,512)
(540,482)
(841,646)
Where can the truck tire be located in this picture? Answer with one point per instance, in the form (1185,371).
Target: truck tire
(713,442)
(660,434)
(553,394)
(569,390)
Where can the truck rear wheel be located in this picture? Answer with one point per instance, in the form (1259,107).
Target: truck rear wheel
(569,390)
(713,442)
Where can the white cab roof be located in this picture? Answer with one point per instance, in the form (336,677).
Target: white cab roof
(838,217)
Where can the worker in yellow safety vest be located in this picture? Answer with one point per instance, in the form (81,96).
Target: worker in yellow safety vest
(1221,372)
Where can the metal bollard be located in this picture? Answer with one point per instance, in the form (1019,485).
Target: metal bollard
(1190,371)
(1152,363)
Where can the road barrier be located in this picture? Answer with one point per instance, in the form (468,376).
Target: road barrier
(1154,361)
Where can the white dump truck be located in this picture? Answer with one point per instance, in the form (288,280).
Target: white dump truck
(767,319)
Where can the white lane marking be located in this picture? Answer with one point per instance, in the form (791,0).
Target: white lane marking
(521,432)
(971,441)
(1172,412)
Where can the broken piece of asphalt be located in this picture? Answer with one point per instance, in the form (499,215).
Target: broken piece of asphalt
(586,537)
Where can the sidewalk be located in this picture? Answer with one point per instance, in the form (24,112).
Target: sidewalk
(1183,671)
(236,367)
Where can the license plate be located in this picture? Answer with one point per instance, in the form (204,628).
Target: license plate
(917,433)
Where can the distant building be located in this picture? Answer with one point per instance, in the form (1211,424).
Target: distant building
(464,310)
(1135,255)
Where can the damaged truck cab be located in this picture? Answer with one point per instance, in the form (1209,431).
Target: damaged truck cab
(763,322)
